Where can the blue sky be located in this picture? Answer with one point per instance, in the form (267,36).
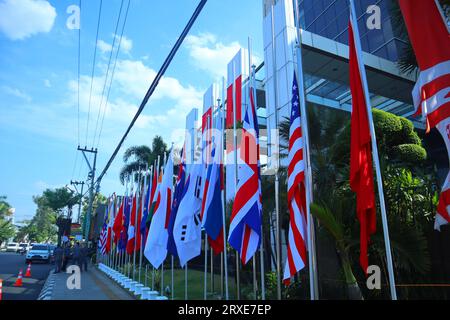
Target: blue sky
(38,82)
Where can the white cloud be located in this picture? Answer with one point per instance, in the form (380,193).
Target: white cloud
(20,19)
(126,45)
(209,54)
(103,46)
(164,113)
(16,93)
(47,83)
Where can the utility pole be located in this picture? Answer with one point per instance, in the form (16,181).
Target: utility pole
(75,184)
(91,176)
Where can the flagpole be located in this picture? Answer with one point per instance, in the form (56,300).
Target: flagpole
(238,285)
(129,218)
(157,179)
(313,283)
(186,281)
(206,268)
(261,248)
(225,255)
(150,181)
(277,183)
(142,212)
(138,188)
(162,265)
(172,259)
(248,104)
(376,159)
(121,255)
(211,252)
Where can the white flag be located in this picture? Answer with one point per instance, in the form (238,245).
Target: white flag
(156,246)
(187,230)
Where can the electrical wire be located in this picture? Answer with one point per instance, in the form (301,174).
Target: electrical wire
(93,69)
(79,72)
(112,75)
(154,84)
(107,73)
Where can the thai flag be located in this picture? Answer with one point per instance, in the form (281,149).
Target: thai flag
(212,209)
(246,216)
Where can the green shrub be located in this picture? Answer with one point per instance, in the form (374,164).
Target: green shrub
(411,153)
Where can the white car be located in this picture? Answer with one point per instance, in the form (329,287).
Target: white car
(24,247)
(12,247)
(39,252)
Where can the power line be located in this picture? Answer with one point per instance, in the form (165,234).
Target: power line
(107,72)
(154,84)
(93,68)
(113,72)
(79,72)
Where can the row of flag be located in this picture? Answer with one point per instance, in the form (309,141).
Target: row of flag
(160,217)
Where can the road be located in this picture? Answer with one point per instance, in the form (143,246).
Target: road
(10,264)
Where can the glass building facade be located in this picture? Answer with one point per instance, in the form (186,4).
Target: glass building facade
(329,18)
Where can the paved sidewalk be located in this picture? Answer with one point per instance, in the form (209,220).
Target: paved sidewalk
(94,286)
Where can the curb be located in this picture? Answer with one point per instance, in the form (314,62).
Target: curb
(47,290)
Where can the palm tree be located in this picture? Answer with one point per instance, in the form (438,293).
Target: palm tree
(138,157)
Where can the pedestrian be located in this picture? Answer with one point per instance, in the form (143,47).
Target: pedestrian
(66,256)
(58,253)
(77,255)
(84,257)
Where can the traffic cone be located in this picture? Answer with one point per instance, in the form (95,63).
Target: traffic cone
(18,282)
(1,289)
(28,273)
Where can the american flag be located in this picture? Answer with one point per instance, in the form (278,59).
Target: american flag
(246,216)
(296,250)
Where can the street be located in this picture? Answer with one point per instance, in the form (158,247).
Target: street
(10,264)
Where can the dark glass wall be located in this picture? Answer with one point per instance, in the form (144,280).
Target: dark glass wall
(329,18)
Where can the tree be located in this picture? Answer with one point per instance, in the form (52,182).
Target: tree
(138,157)
(401,152)
(7,230)
(42,228)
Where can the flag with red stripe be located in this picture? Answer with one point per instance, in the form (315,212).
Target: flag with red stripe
(296,249)
(246,216)
(429,35)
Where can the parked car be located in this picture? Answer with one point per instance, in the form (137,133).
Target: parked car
(12,247)
(39,252)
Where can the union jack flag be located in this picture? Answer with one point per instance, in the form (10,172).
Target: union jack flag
(296,250)
(246,216)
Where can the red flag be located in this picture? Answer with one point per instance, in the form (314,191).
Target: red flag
(361,170)
(118,223)
(431,42)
